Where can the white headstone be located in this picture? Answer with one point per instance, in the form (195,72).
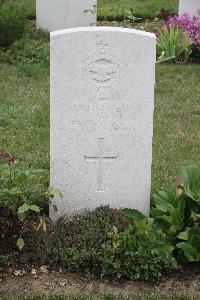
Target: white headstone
(102,101)
(60,14)
(191,7)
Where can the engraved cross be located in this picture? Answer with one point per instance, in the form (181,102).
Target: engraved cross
(100,158)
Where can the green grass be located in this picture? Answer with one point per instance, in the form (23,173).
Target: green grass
(27,6)
(176,121)
(151,296)
(112,9)
(24,117)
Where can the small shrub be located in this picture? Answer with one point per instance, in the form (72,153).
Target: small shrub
(12,25)
(74,244)
(138,252)
(177,213)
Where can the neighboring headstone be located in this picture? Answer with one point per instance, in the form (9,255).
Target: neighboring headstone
(191,7)
(61,14)
(102,101)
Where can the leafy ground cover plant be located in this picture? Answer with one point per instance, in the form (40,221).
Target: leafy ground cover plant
(101,242)
(27,51)
(21,195)
(32,48)
(177,212)
(18,187)
(139,252)
(75,243)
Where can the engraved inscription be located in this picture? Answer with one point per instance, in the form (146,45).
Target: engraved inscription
(102,67)
(100,158)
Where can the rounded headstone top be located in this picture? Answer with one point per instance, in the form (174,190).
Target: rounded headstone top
(101,29)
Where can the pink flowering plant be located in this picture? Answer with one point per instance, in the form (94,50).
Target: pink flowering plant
(188,25)
(179,39)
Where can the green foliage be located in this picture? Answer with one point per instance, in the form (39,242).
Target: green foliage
(12,25)
(190,248)
(74,244)
(18,187)
(189,182)
(114,9)
(27,51)
(177,212)
(138,252)
(31,49)
(22,194)
(133,214)
(173,44)
(26,7)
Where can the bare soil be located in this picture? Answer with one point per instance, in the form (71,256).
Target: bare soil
(42,280)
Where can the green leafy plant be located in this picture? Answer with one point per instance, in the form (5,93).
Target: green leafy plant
(27,51)
(177,211)
(19,186)
(173,44)
(190,245)
(12,25)
(22,194)
(138,252)
(75,243)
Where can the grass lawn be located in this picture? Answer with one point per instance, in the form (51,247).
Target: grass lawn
(24,117)
(111,9)
(150,296)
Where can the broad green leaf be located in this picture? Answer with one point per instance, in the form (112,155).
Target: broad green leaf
(133,213)
(23,208)
(165,200)
(177,218)
(156,212)
(189,252)
(195,242)
(34,208)
(183,235)
(189,178)
(20,243)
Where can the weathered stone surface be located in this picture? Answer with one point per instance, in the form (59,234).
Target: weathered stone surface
(102,101)
(60,14)
(191,7)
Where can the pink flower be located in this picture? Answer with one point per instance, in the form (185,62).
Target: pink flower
(191,26)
